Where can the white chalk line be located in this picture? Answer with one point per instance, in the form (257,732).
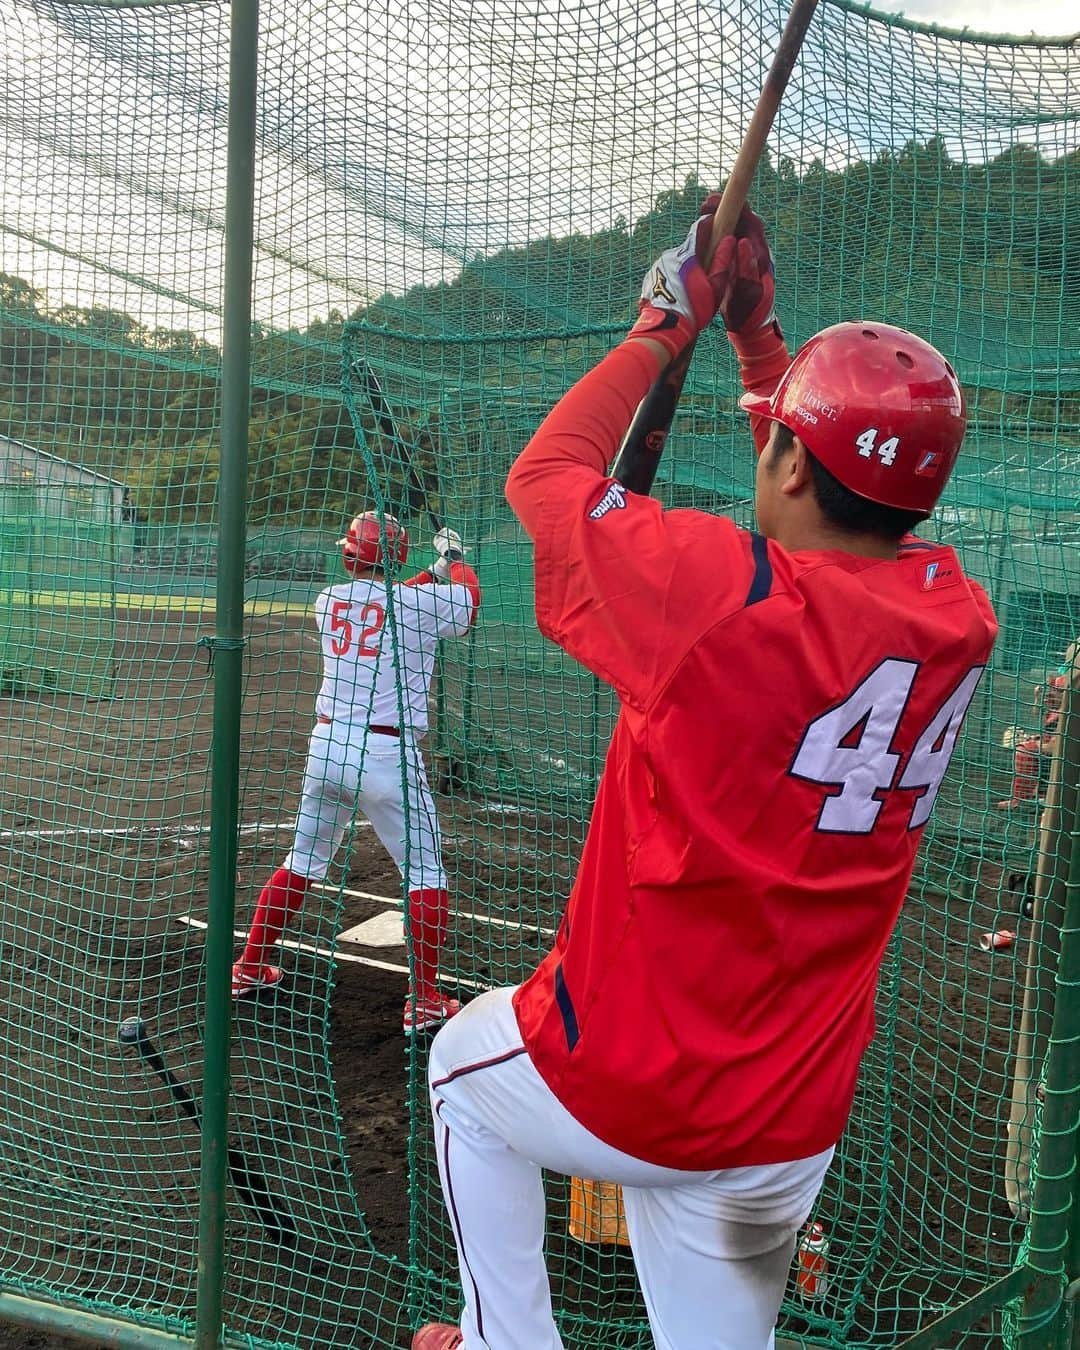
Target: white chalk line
(255,827)
(332,952)
(457,913)
(151,831)
(183,834)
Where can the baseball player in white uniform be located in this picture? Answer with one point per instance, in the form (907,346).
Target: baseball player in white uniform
(378,640)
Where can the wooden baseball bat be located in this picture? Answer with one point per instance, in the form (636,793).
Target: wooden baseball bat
(417,487)
(250,1184)
(1048,912)
(639,455)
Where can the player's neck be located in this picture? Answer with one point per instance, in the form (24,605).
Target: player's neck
(817,535)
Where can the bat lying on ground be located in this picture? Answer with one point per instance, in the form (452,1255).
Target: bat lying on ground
(250,1183)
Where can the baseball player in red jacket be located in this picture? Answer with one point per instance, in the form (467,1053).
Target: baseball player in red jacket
(696,1031)
(1032,751)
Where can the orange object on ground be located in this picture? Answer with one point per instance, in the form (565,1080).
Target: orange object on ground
(596,1212)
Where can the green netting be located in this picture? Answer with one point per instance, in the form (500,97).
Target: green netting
(60,531)
(462,200)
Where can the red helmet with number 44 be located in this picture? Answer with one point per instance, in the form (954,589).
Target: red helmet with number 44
(880,408)
(363,545)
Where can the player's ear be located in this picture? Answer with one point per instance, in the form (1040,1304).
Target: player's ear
(794,468)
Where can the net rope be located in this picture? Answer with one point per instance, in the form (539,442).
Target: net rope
(463,199)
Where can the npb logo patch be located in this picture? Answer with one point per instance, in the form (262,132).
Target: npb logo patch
(939,574)
(614,499)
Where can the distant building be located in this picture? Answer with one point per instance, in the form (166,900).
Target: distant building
(33,482)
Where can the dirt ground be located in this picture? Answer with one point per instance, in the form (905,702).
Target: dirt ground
(104,809)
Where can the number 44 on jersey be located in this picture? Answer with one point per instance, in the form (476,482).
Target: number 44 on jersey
(850,747)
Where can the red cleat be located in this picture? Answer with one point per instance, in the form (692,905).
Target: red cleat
(246,980)
(437,1336)
(424,1011)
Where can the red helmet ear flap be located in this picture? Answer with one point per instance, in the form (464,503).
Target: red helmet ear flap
(880,408)
(362,545)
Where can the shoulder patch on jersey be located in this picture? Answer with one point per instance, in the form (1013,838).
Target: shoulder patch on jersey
(939,574)
(614,499)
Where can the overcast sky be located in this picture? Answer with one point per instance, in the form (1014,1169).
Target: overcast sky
(398,141)
(1045,17)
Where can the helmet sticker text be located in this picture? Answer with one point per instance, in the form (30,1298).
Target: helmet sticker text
(810,399)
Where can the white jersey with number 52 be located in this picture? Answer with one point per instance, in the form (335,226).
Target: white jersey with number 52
(359,635)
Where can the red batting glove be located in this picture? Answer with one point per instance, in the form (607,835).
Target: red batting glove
(678,296)
(743,268)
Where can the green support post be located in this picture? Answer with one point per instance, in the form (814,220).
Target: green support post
(228,645)
(1053,1251)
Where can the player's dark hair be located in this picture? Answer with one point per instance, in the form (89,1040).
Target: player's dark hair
(842,508)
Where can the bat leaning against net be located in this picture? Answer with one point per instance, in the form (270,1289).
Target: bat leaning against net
(251,1186)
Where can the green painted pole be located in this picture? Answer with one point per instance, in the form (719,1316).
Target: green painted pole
(1071,775)
(227,647)
(1043,1324)
(54,1319)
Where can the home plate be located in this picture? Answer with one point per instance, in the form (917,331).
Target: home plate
(384,930)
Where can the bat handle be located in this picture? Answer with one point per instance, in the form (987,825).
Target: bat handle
(639,455)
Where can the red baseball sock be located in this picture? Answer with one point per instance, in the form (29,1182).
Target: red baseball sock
(428,915)
(281,897)
(1026,769)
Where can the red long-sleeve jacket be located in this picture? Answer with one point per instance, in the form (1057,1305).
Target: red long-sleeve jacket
(786,720)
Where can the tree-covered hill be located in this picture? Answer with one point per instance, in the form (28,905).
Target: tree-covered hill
(948,248)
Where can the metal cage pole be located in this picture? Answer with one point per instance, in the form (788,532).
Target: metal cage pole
(1044,1323)
(228,652)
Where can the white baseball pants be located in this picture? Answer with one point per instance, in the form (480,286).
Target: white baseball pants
(348,768)
(712,1249)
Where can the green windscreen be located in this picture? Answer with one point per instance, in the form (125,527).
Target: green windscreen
(59,545)
(454,210)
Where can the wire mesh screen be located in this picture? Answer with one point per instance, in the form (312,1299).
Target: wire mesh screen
(462,201)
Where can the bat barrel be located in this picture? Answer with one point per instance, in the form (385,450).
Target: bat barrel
(639,455)
(737,188)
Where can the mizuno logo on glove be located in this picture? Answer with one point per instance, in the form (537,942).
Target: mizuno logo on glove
(661,289)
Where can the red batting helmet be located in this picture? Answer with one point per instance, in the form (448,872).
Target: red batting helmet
(880,408)
(362,545)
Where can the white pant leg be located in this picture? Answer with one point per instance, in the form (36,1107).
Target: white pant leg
(713,1255)
(381,799)
(497,1124)
(348,767)
(327,804)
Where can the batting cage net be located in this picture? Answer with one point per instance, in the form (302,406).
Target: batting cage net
(454,209)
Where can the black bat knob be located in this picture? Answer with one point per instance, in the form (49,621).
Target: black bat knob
(132,1031)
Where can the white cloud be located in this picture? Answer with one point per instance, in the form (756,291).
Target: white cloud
(1022,17)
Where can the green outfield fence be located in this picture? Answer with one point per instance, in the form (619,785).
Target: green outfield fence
(264,266)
